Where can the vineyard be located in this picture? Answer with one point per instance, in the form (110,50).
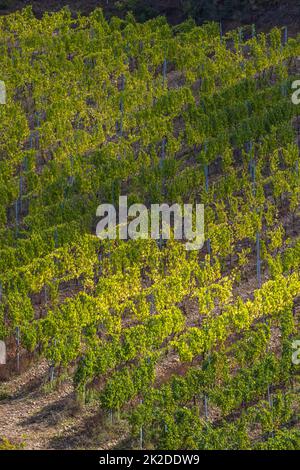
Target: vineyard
(181,349)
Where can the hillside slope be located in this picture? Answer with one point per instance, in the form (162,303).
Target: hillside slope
(264,13)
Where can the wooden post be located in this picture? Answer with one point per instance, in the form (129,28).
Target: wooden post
(141,438)
(52,367)
(162,159)
(56,238)
(18,347)
(283,89)
(20,191)
(206,407)
(206,169)
(258,260)
(285,39)
(17,216)
(206,177)
(122,106)
(165,66)
(269,397)
(240,30)
(141,433)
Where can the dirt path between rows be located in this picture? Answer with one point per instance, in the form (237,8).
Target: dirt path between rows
(39,418)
